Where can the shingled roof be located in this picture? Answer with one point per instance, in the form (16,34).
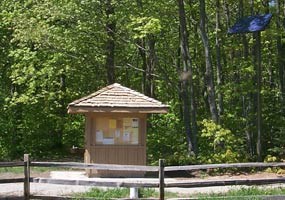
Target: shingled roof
(117,98)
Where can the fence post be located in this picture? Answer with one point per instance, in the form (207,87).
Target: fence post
(27,176)
(161,179)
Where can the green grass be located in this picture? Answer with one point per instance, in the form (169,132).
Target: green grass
(122,193)
(105,194)
(20,170)
(252,193)
(15,170)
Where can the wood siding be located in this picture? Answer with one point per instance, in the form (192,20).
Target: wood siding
(125,155)
(114,154)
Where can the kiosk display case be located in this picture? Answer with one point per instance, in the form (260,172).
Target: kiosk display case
(115,127)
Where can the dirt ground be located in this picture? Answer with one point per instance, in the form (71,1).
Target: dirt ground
(6,175)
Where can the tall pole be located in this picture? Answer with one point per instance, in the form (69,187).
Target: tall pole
(248,25)
(259,108)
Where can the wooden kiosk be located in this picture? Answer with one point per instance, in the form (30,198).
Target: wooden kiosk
(115,126)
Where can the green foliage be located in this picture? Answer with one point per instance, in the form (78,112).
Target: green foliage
(218,145)
(41,78)
(270,158)
(143,26)
(73,132)
(166,140)
(52,52)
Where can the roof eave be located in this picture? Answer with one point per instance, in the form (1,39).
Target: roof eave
(90,109)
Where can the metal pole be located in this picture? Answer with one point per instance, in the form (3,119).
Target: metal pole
(259,107)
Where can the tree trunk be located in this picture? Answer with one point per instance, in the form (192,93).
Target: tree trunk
(218,59)
(146,47)
(187,81)
(209,76)
(151,61)
(142,52)
(252,7)
(281,60)
(61,112)
(227,12)
(110,43)
(179,86)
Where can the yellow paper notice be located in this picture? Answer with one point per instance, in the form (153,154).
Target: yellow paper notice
(112,123)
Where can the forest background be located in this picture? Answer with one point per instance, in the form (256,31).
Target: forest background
(55,51)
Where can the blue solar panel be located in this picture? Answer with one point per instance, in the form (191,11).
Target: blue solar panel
(251,24)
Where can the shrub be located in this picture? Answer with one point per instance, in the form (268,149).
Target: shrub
(217,144)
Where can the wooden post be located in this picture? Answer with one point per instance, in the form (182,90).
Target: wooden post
(27,176)
(161,179)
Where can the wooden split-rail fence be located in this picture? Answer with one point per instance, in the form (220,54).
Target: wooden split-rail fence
(160,183)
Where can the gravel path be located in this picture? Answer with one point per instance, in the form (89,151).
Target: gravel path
(16,189)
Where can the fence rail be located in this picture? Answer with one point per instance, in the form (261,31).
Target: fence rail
(160,183)
(11,164)
(110,167)
(223,166)
(211,183)
(116,183)
(12,180)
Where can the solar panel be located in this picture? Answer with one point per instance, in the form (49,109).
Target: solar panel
(251,24)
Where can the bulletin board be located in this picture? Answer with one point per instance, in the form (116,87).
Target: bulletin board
(117,131)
